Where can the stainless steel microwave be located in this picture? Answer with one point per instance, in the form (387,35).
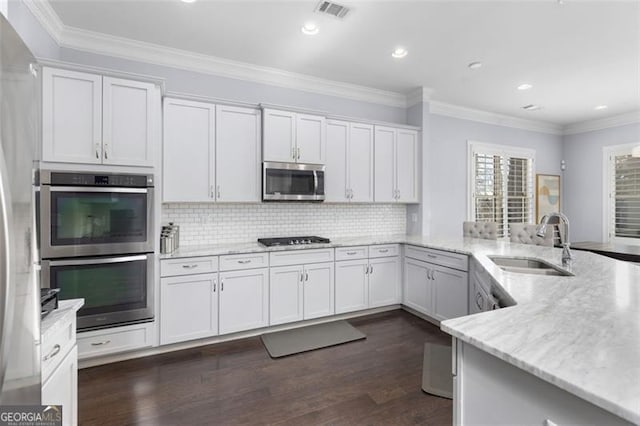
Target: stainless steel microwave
(292,182)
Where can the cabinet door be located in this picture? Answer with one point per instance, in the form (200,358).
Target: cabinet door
(244,300)
(61,388)
(352,285)
(360,165)
(407,165)
(238,157)
(286,294)
(310,138)
(279,133)
(71,116)
(418,287)
(318,290)
(384,142)
(451,293)
(196,295)
(189,154)
(384,281)
(335,177)
(130,118)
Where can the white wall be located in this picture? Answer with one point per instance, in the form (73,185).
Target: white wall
(583,179)
(447,168)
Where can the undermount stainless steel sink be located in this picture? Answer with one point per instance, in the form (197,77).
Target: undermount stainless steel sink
(528,265)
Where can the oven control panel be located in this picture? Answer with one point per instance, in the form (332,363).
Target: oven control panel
(94,179)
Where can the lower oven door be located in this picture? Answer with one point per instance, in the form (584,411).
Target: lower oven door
(116,290)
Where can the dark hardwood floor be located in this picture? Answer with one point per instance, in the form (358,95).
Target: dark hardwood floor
(371,381)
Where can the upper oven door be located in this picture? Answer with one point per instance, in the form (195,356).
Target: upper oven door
(88,221)
(293,182)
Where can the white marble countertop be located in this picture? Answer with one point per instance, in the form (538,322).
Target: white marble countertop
(67,309)
(580,333)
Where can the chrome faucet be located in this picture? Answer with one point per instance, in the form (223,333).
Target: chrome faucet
(564,235)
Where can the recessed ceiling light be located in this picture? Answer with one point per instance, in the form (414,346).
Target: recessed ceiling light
(600,107)
(188,1)
(525,86)
(399,52)
(532,107)
(310,28)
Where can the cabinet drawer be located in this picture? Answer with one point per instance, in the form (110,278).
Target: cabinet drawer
(56,347)
(188,265)
(299,257)
(386,250)
(234,262)
(351,253)
(438,257)
(104,342)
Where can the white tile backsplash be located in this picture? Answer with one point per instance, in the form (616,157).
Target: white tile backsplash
(204,223)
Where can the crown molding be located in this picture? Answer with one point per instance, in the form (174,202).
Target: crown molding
(418,96)
(603,123)
(464,113)
(104,44)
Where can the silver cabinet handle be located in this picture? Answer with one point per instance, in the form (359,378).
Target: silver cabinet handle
(55,351)
(371,269)
(212,194)
(398,194)
(98,151)
(298,153)
(383,250)
(218,191)
(479,300)
(221,285)
(346,193)
(106,151)
(244,262)
(432,256)
(301,276)
(366,270)
(192,266)
(215,282)
(293,152)
(351,253)
(104,342)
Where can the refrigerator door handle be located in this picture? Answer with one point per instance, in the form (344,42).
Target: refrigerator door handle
(6,296)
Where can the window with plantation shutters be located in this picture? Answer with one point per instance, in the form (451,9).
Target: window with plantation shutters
(501,185)
(624,196)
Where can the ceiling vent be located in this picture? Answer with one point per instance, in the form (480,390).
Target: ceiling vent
(332,9)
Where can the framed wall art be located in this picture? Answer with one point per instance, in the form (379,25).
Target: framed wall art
(547,195)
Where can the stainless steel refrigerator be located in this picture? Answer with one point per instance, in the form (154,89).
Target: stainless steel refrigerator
(19,289)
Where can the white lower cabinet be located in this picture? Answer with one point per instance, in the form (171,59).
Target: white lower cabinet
(300,292)
(352,285)
(196,295)
(244,300)
(432,288)
(367,283)
(61,388)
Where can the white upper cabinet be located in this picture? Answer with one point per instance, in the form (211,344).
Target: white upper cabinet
(349,166)
(87,118)
(130,119)
(360,162)
(238,155)
(211,152)
(396,165)
(290,137)
(279,136)
(71,116)
(407,166)
(385,164)
(336,184)
(310,138)
(188,151)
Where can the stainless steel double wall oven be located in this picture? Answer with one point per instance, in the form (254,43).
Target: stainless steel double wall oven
(96,242)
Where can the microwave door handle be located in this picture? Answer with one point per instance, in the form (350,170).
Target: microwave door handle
(315,182)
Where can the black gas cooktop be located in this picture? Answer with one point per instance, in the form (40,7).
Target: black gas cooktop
(292,241)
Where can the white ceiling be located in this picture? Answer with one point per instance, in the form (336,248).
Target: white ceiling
(577,55)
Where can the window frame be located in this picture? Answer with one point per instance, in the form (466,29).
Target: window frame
(608,188)
(507,151)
